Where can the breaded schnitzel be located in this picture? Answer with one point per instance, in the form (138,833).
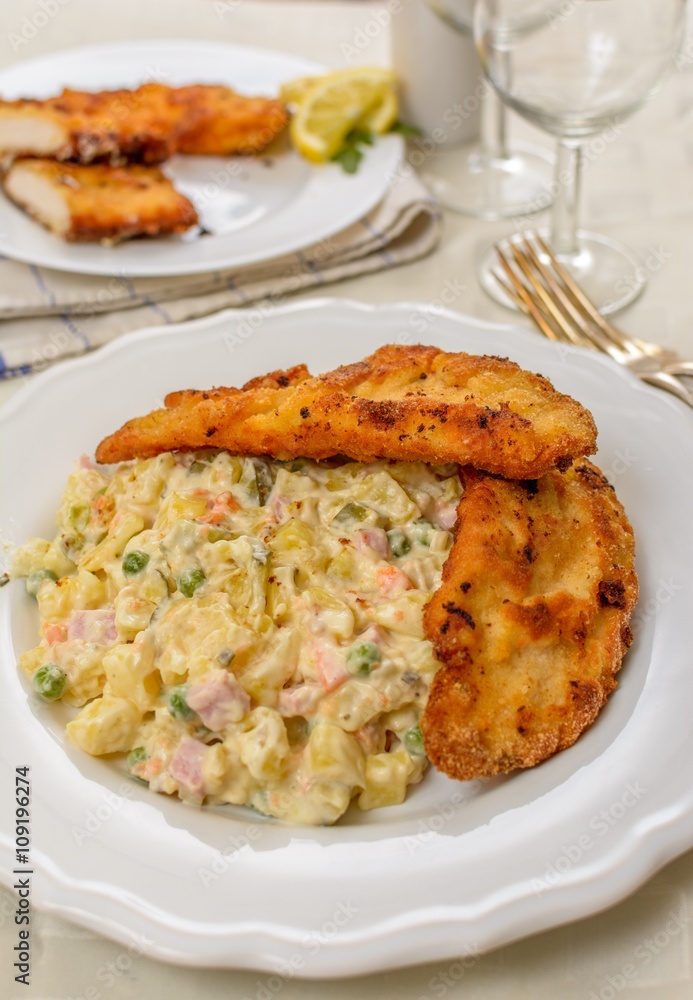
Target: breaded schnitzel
(98,202)
(530,622)
(408,403)
(147,124)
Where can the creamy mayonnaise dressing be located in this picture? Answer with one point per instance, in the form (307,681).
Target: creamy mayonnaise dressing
(248,631)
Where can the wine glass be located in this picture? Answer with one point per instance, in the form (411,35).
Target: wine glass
(487,179)
(577,71)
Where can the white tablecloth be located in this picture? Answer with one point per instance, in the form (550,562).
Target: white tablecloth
(640,189)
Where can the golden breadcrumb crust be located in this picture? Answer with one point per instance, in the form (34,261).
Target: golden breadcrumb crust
(404,403)
(105,202)
(530,621)
(149,123)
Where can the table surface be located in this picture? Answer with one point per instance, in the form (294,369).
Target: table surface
(639,190)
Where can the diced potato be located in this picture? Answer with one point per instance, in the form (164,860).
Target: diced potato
(387,776)
(120,531)
(106,725)
(343,568)
(384,493)
(404,614)
(30,661)
(281,593)
(352,705)
(147,480)
(272,667)
(131,673)
(183,506)
(84,591)
(321,802)
(334,755)
(214,768)
(133,613)
(38,554)
(335,616)
(83,664)
(200,627)
(79,493)
(292,485)
(296,543)
(264,746)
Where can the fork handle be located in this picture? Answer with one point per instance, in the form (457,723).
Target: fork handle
(663,380)
(679,368)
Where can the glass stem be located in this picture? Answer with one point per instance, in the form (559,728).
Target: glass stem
(564,214)
(494,142)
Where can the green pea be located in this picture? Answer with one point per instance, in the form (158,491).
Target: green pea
(422,529)
(136,757)
(362,657)
(50,681)
(134,562)
(351,511)
(34,580)
(189,580)
(225,657)
(196,468)
(413,741)
(399,543)
(178,705)
(79,516)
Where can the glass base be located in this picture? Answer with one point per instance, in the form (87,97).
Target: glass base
(465,181)
(607,271)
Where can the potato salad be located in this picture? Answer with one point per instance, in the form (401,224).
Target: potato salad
(245,630)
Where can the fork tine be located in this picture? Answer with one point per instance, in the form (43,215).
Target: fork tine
(555,307)
(573,313)
(582,302)
(517,291)
(545,294)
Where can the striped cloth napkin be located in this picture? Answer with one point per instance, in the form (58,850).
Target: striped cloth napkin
(48,315)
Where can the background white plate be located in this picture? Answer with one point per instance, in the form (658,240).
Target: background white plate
(458,867)
(258,207)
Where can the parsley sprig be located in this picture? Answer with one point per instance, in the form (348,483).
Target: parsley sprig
(351,153)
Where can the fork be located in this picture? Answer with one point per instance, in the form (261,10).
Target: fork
(541,287)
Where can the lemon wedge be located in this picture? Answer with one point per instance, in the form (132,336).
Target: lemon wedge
(329,107)
(383,116)
(294,91)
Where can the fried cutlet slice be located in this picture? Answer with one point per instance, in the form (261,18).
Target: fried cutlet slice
(404,403)
(140,125)
(219,122)
(530,621)
(147,124)
(98,202)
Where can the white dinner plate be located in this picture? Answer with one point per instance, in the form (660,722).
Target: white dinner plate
(255,208)
(458,867)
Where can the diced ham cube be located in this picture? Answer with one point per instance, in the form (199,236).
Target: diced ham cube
(185,767)
(444,514)
(302,700)
(279,505)
(218,699)
(374,539)
(93,626)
